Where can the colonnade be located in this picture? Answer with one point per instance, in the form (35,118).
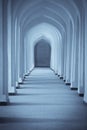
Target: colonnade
(24,23)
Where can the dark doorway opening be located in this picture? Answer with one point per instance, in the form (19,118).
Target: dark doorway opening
(42,54)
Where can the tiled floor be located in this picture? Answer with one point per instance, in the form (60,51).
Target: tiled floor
(44,102)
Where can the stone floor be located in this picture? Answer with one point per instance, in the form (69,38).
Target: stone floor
(44,102)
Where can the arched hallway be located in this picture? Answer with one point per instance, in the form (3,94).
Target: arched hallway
(60,91)
(44,102)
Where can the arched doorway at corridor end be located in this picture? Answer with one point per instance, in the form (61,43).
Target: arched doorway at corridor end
(42,54)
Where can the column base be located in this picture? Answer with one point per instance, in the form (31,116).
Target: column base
(12,91)
(20,81)
(67,83)
(61,77)
(64,80)
(81,91)
(73,86)
(27,74)
(64,77)
(85,100)
(17,85)
(24,77)
(4,100)
(81,94)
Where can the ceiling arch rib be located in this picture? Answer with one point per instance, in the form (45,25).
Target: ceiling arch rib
(36,13)
(26,20)
(19,5)
(58,20)
(30,11)
(34,21)
(44,11)
(67,6)
(60,4)
(42,21)
(44,28)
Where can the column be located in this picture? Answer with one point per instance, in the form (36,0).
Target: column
(68,52)
(85,71)
(17,43)
(13,55)
(25,57)
(3,53)
(65,51)
(74,58)
(81,56)
(61,58)
(21,73)
(11,89)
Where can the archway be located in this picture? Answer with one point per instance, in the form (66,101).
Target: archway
(42,54)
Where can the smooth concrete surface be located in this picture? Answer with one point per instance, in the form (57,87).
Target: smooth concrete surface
(44,102)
